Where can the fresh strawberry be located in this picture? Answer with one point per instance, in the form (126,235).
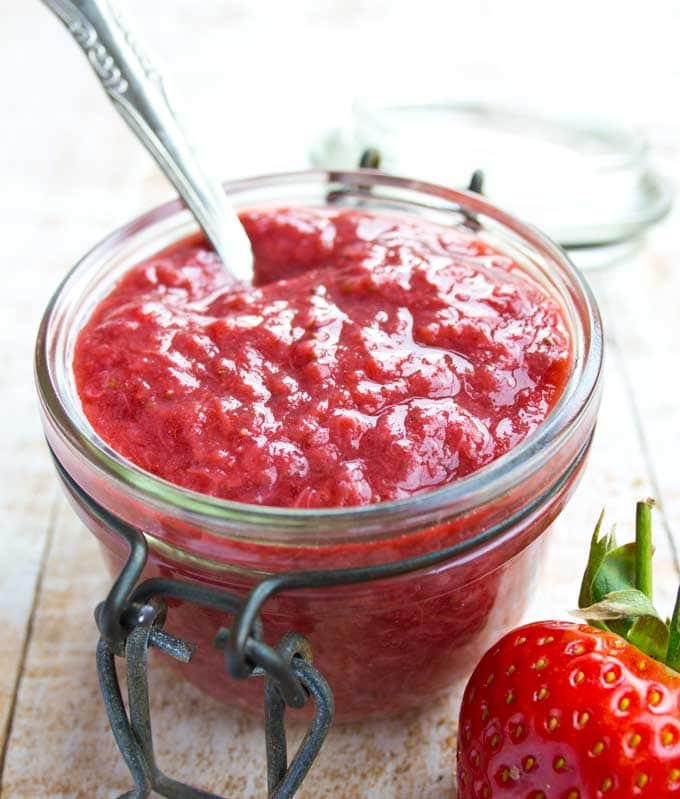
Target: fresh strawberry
(560,710)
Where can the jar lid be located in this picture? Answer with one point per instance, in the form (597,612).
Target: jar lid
(589,185)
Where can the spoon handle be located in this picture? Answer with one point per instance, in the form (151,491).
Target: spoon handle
(136,89)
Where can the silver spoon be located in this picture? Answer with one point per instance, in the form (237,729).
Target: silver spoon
(136,89)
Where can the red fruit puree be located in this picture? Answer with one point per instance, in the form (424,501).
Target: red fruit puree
(375,356)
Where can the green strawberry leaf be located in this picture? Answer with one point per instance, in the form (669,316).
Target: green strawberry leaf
(627,604)
(599,547)
(673,651)
(616,572)
(650,635)
(617,587)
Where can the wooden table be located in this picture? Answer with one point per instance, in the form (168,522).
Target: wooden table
(69,174)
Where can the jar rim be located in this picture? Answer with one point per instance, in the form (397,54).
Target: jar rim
(466,494)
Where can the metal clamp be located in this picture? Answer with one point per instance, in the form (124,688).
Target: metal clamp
(131,619)
(133,733)
(371,160)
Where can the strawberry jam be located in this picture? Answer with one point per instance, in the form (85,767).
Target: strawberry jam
(374,357)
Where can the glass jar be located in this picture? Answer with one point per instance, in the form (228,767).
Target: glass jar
(383,646)
(590,184)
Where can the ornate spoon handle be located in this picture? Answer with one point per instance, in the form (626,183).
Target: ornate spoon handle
(136,89)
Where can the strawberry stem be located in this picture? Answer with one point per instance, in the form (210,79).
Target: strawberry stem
(673,652)
(643,547)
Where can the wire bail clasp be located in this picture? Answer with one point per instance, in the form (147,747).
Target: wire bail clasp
(131,619)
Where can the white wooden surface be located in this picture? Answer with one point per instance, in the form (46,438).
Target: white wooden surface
(69,173)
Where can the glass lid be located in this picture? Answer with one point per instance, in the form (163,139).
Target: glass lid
(588,184)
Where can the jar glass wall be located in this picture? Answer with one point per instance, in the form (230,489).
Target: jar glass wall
(382,646)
